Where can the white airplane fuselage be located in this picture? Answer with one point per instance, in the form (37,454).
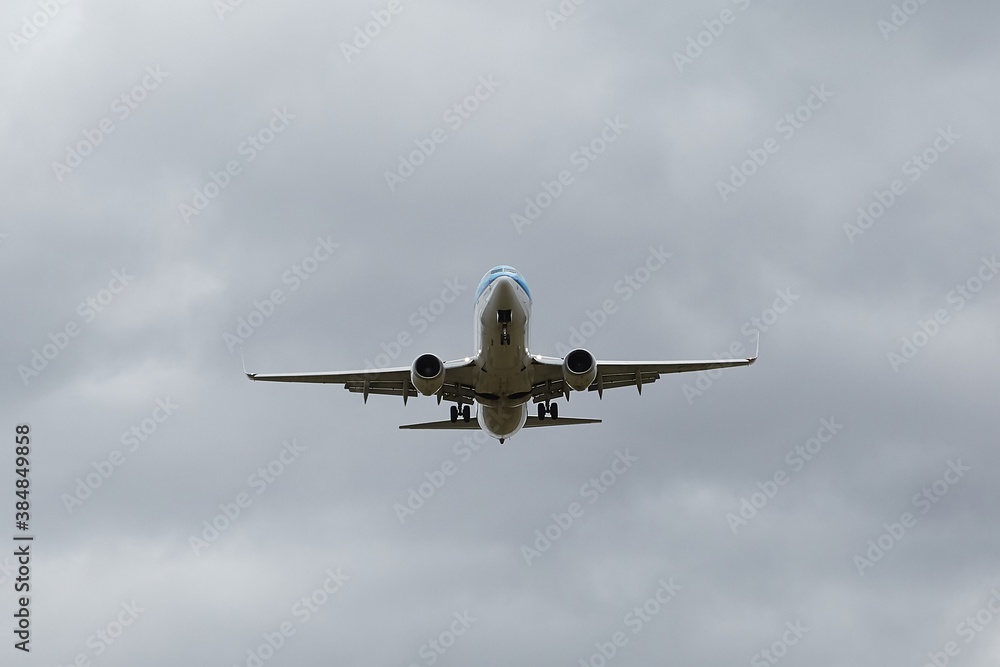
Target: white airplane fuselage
(503,385)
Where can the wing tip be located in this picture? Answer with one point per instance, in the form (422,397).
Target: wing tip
(250,376)
(756,351)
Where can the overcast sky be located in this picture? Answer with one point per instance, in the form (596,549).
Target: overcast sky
(321,184)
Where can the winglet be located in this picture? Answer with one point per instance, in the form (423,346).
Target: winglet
(242,359)
(756,350)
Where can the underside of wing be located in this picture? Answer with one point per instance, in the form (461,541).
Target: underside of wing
(613,374)
(458,381)
(549,383)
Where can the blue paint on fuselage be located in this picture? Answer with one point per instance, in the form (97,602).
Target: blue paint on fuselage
(498,271)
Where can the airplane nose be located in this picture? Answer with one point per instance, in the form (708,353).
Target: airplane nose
(506,289)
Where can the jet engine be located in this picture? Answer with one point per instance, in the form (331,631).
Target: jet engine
(579,369)
(427,374)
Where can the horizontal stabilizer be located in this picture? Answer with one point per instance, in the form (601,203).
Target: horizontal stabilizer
(532,422)
(446,424)
(560,421)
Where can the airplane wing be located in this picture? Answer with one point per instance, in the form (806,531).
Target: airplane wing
(549,382)
(459,379)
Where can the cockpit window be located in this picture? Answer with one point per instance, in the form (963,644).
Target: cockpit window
(496,272)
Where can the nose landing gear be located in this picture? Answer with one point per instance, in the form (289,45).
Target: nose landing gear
(503,319)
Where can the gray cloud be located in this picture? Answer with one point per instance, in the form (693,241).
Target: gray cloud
(703,444)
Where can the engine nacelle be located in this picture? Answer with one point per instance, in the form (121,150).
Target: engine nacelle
(427,374)
(579,369)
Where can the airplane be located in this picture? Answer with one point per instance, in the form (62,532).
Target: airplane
(503,376)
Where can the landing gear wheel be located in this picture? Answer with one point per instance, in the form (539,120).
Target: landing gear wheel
(454,414)
(541,411)
(554,411)
(465,413)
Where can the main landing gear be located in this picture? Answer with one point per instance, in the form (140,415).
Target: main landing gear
(464,411)
(551,408)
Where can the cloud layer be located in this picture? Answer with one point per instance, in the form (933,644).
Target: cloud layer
(304,181)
